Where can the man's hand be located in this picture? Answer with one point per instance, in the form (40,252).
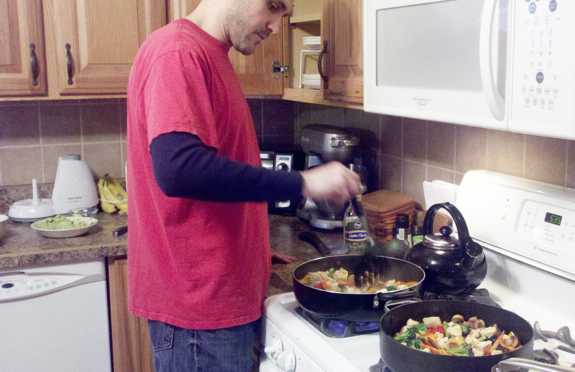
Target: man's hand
(332,181)
(282,258)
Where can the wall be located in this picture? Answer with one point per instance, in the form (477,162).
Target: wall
(33,134)
(412,151)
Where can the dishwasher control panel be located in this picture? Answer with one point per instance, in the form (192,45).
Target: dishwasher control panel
(19,286)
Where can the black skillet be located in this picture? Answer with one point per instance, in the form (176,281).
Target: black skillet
(347,306)
(401,358)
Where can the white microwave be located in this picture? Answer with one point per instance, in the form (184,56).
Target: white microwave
(499,64)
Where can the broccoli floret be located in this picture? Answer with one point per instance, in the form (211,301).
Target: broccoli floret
(445,326)
(461,350)
(406,337)
(331,272)
(415,343)
(464,330)
(420,328)
(410,339)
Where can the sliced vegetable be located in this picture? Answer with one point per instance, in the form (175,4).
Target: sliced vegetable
(420,328)
(462,350)
(497,342)
(445,326)
(406,336)
(451,338)
(331,272)
(434,330)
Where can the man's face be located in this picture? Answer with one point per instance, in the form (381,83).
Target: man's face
(249,22)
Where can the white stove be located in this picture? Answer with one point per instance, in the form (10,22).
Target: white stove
(517,280)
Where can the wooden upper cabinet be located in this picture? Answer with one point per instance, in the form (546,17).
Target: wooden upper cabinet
(342,29)
(22,53)
(94,42)
(255,72)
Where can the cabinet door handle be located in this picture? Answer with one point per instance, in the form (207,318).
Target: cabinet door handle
(323,77)
(34,64)
(69,64)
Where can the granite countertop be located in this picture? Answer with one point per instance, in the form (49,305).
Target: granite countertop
(22,246)
(284,233)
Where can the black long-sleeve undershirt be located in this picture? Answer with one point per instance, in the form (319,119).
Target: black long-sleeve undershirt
(185,167)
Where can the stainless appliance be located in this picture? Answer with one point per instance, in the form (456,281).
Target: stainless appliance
(324,143)
(55,318)
(282,158)
(537,291)
(501,64)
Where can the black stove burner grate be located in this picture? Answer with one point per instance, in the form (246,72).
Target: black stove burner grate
(338,328)
(480,295)
(342,328)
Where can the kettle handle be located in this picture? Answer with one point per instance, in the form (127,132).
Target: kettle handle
(462,229)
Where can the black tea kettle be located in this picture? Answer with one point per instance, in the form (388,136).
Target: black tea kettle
(452,266)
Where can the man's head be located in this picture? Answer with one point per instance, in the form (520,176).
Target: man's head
(249,22)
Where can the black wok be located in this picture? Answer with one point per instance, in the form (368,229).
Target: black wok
(401,358)
(355,307)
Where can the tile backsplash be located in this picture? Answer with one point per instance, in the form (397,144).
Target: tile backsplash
(33,134)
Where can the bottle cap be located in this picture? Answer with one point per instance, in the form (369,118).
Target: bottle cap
(402,221)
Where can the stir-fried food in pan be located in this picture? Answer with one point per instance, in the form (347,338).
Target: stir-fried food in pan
(457,337)
(341,281)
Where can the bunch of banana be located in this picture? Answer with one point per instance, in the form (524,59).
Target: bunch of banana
(113,197)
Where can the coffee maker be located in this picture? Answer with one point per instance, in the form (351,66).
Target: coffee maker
(323,143)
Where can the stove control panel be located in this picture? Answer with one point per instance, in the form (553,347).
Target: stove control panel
(531,221)
(553,225)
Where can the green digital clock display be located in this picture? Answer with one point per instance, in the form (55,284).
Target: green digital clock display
(553,218)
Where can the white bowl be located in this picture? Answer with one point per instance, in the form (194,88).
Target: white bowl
(3,224)
(68,233)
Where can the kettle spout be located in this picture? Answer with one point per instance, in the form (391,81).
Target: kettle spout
(472,255)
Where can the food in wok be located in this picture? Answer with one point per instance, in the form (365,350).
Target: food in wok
(341,281)
(457,337)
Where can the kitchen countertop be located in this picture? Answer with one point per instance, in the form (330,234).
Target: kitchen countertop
(22,246)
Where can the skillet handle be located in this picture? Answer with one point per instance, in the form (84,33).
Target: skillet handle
(315,240)
(513,364)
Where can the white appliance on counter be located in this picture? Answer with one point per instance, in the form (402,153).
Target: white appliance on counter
(54,318)
(527,283)
(500,64)
(74,186)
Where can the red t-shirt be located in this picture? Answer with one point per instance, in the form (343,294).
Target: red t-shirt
(193,264)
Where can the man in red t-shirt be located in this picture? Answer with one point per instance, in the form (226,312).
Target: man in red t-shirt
(199,255)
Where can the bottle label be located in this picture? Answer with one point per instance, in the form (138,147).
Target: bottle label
(356,236)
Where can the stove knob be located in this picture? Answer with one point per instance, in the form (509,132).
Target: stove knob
(274,349)
(286,361)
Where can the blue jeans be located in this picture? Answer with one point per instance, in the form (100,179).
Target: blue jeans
(186,350)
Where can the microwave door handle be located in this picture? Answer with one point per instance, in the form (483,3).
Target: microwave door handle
(495,102)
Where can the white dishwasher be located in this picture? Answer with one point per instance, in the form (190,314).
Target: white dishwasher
(54,318)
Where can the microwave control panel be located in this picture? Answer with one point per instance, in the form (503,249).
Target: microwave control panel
(543,87)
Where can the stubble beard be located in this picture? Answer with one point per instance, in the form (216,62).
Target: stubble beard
(239,31)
